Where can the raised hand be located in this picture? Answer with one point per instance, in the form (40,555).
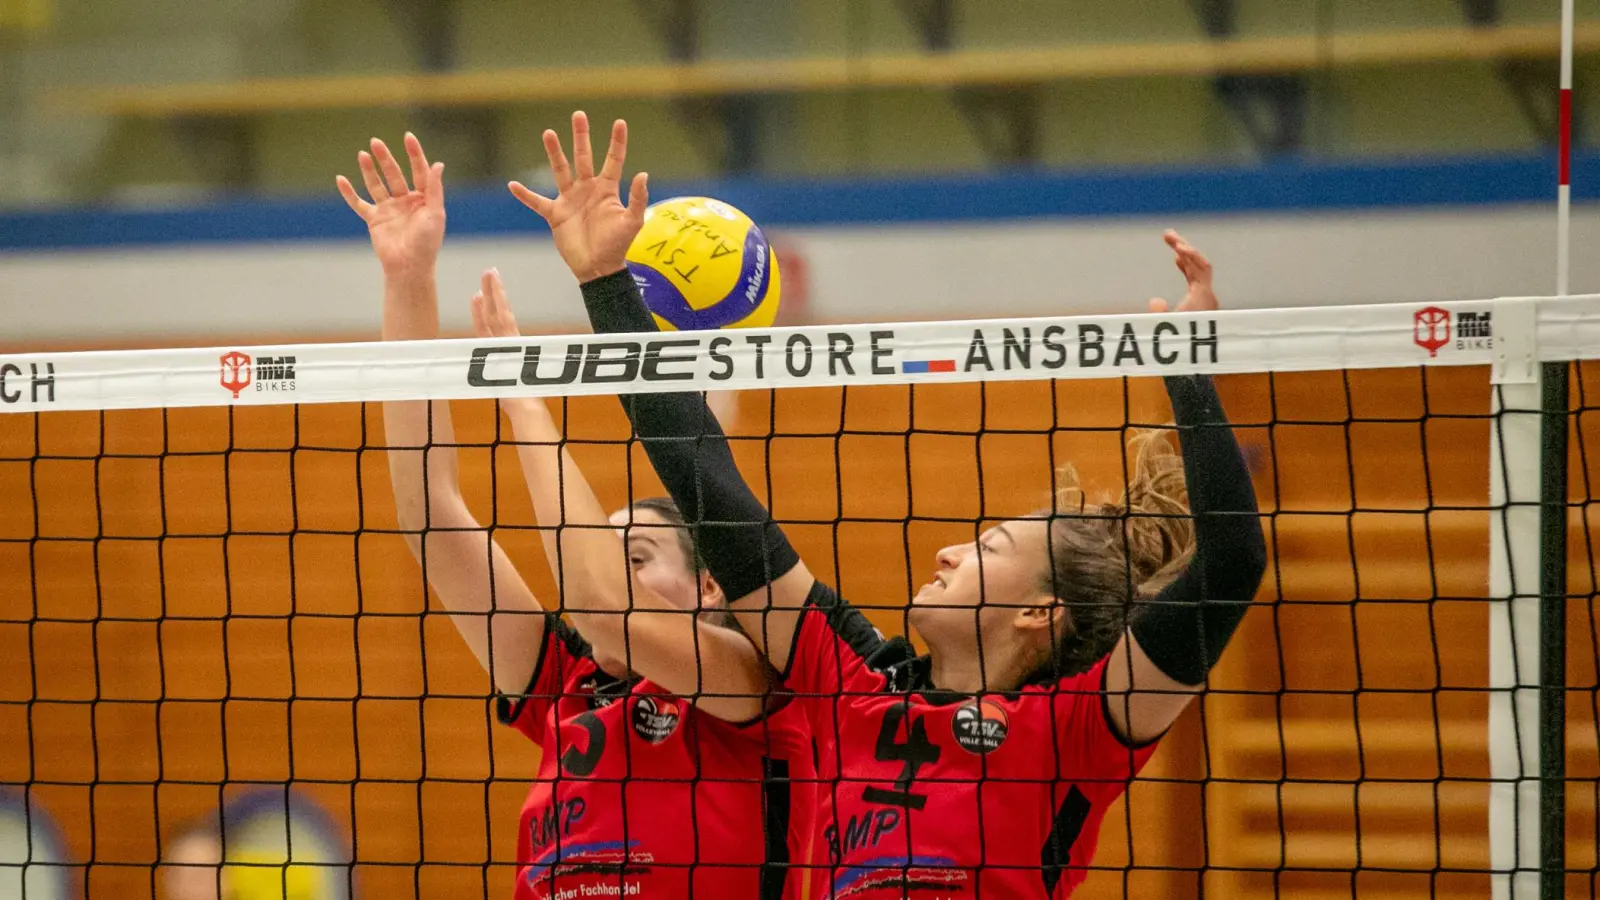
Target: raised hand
(590,226)
(491,313)
(406,223)
(1196,271)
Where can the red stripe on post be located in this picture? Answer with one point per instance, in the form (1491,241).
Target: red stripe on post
(1566,137)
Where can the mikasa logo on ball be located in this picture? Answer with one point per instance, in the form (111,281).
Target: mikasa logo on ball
(752,293)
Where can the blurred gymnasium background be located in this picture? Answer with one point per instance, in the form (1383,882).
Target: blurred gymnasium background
(199,608)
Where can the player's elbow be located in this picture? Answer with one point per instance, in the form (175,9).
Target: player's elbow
(411,518)
(607,631)
(419,509)
(647,641)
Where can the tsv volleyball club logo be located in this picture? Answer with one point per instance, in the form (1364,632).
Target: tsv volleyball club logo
(655,718)
(980,727)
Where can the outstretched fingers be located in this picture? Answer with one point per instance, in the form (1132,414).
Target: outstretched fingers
(417,159)
(434,195)
(497,315)
(352,199)
(479,328)
(616,152)
(390,167)
(558,161)
(639,196)
(369,176)
(1191,262)
(539,203)
(429,179)
(582,148)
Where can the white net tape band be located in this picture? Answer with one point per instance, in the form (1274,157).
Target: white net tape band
(1229,341)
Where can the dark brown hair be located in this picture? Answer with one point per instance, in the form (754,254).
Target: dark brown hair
(1107,557)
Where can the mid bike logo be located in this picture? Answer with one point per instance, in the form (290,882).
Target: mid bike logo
(235,372)
(1431,330)
(271,373)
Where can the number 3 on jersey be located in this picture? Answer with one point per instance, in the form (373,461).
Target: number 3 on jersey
(583,762)
(914,752)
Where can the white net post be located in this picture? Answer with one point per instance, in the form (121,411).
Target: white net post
(1514,586)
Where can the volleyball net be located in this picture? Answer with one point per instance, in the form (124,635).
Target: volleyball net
(207,609)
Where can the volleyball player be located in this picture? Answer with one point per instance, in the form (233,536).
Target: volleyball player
(646,788)
(984,768)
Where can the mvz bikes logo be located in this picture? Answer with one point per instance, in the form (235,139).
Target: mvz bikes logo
(235,372)
(271,373)
(1432,331)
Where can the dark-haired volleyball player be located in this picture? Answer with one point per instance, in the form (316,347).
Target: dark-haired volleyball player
(646,788)
(984,768)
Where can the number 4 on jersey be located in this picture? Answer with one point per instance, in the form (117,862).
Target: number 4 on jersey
(915,752)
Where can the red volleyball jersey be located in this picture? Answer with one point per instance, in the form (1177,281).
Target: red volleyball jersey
(639,794)
(928,794)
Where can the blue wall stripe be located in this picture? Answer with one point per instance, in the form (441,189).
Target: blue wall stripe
(974,197)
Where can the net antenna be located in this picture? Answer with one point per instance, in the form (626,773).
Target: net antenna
(1527,576)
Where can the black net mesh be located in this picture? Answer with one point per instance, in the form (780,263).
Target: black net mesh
(214,646)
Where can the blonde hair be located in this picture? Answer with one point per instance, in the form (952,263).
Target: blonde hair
(1106,557)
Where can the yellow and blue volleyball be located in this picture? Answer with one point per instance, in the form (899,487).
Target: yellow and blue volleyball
(266,877)
(702,264)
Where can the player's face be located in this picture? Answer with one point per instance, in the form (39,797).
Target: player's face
(985,582)
(657,560)
(193,873)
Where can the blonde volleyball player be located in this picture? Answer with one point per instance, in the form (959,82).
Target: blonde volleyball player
(646,788)
(983,769)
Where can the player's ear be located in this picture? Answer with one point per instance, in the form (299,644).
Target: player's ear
(711,594)
(1039,617)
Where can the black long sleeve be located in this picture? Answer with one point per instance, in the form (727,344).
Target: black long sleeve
(742,547)
(1185,628)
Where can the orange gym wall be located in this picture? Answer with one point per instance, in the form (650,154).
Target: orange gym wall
(144,660)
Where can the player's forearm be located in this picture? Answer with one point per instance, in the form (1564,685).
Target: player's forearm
(490,605)
(741,545)
(411,312)
(624,619)
(714,667)
(545,466)
(410,304)
(1222,497)
(488,602)
(422,463)
(438,528)
(1186,627)
(583,550)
